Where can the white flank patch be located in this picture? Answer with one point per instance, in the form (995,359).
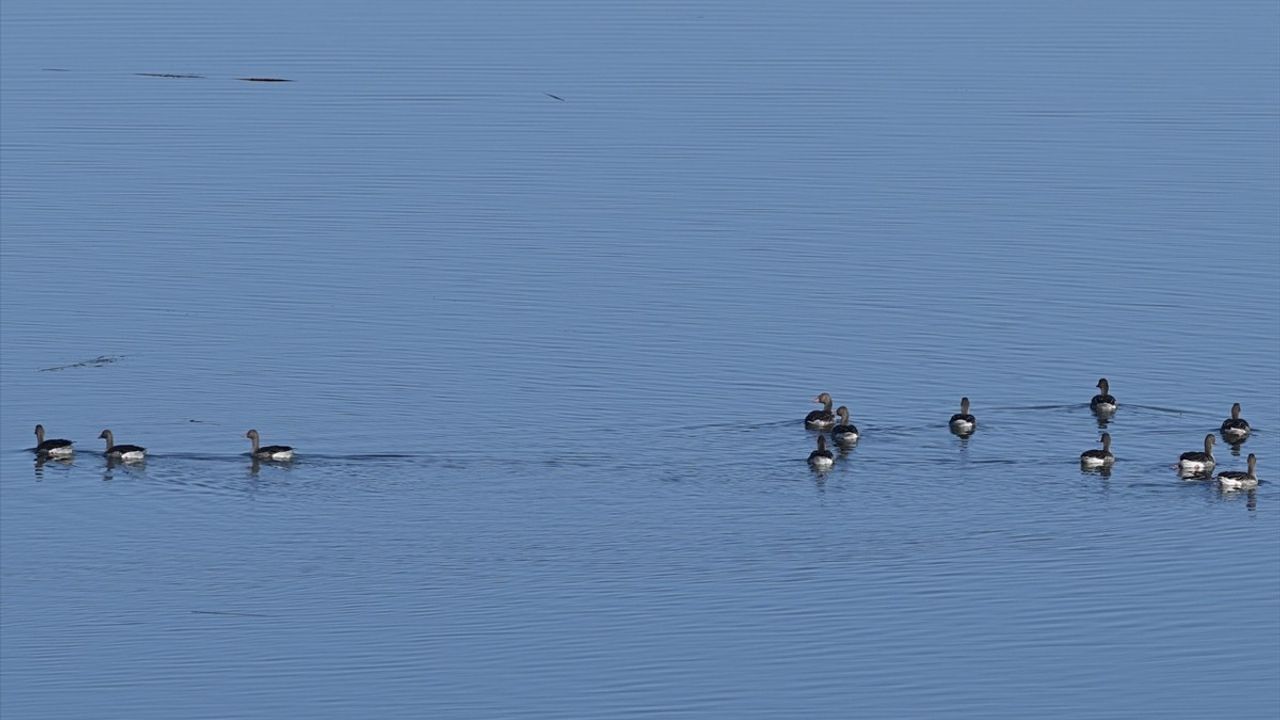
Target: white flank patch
(822,463)
(1231,483)
(61,452)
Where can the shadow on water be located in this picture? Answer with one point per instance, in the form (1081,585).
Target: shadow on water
(1075,407)
(113,469)
(231,613)
(183,462)
(1193,476)
(734,426)
(1102,472)
(195,76)
(184,76)
(43,461)
(1162,410)
(100,361)
(1249,497)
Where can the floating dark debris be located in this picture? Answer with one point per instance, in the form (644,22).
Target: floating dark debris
(554,97)
(170,75)
(264,79)
(94,362)
(54,70)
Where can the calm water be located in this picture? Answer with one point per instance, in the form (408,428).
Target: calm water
(545,360)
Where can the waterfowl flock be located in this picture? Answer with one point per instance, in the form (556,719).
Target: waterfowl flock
(844,435)
(59,449)
(1192,465)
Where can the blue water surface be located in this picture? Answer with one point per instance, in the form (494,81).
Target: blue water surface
(540,292)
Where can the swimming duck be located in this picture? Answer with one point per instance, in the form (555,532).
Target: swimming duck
(1236,480)
(1198,462)
(844,433)
(1099,458)
(820,419)
(1103,403)
(962,423)
(125,453)
(281,453)
(1235,428)
(53,447)
(822,459)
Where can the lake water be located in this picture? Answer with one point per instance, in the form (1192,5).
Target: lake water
(541,292)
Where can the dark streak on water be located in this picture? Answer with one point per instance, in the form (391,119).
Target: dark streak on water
(169,75)
(99,361)
(229,613)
